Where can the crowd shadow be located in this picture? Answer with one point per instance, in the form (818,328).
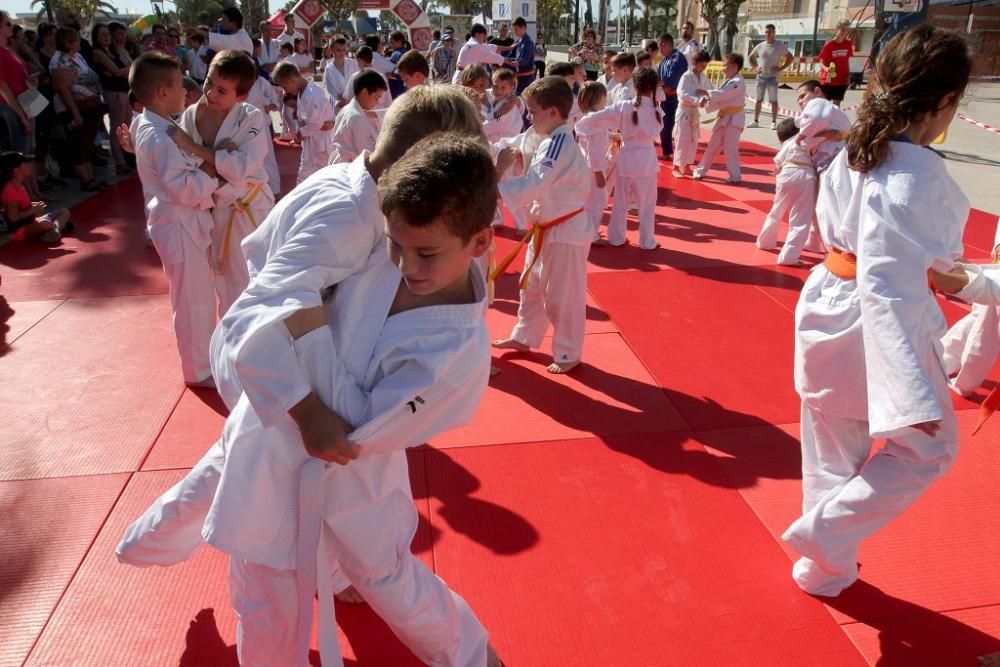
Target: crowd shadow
(6,313)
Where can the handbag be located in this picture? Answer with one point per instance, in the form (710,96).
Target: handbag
(33,102)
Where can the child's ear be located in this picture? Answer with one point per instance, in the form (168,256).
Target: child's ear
(481,242)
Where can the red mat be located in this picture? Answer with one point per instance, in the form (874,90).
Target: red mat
(645,557)
(48,525)
(721,350)
(17,318)
(95,381)
(609,394)
(194,426)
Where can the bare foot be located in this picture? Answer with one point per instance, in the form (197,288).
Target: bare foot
(494,371)
(492,659)
(510,344)
(677,172)
(559,368)
(350,595)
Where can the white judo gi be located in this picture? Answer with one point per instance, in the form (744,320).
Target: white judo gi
(355,132)
(237,41)
(868,358)
(794,195)
(261,96)
(335,82)
(475,53)
(728,101)
(244,197)
(508,125)
(687,121)
(621,92)
(527,143)
(635,173)
(555,286)
(383,102)
(594,143)
(312,112)
(178,198)
(820,115)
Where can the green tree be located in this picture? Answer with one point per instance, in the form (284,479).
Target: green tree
(711,11)
(730,19)
(197,12)
(86,9)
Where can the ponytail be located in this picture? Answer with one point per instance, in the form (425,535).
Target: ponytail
(914,73)
(635,109)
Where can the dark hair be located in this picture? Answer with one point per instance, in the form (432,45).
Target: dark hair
(648,44)
(339,41)
(591,92)
(471,74)
(413,62)
(290,98)
(624,59)
(370,80)
(519,22)
(234,15)
(93,33)
(364,53)
(561,69)
(479,29)
(770,26)
(288,46)
(150,71)
(688,23)
(916,70)
(551,91)
(160,26)
(397,36)
(288,16)
(198,37)
(643,60)
(589,31)
(190,85)
(736,59)
(436,35)
(64,36)
(812,85)
(610,53)
(44,29)
(787,129)
(645,80)
(702,57)
(666,38)
(9,161)
(236,66)
(445,177)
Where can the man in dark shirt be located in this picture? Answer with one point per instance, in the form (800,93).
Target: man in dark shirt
(504,40)
(671,68)
(522,56)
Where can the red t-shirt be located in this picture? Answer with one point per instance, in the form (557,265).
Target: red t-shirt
(13,71)
(840,54)
(15,194)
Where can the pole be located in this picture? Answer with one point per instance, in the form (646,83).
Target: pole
(815,51)
(576,22)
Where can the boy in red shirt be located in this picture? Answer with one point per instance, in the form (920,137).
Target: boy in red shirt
(24,217)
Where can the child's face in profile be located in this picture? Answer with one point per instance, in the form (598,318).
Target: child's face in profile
(369,99)
(622,74)
(544,120)
(174,95)
(431,258)
(805,96)
(502,89)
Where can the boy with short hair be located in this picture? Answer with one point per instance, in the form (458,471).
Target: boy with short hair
(621,88)
(406,392)
(823,126)
(503,111)
(555,186)
(567,71)
(314,116)
(608,74)
(365,58)
(178,189)
(413,69)
(691,89)
(358,123)
(233,136)
(728,101)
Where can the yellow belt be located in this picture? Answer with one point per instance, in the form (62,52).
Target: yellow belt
(240,205)
(723,113)
(804,165)
(537,235)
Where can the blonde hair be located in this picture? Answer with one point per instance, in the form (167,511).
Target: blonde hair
(592,96)
(423,111)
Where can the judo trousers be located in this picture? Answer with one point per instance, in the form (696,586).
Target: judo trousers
(315,155)
(594,206)
(795,195)
(727,140)
(230,266)
(971,347)
(556,292)
(643,190)
(192,300)
(433,621)
(846,496)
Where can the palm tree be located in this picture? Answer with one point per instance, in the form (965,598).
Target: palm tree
(197,12)
(86,9)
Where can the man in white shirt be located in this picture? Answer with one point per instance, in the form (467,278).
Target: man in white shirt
(769,58)
(290,34)
(689,46)
(476,52)
(233,36)
(269,55)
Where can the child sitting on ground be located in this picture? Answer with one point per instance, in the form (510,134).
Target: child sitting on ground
(25,218)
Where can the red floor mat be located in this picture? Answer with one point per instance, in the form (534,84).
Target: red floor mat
(940,554)
(48,525)
(194,426)
(642,557)
(722,350)
(106,255)
(114,614)
(980,231)
(95,382)
(609,394)
(16,318)
(502,314)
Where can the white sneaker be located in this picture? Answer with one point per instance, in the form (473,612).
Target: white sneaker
(753,123)
(774,126)
(698,175)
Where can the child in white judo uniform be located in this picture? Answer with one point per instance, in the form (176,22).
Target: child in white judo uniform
(317,236)
(356,129)
(868,353)
(568,72)
(264,97)
(476,52)
(639,121)
(823,126)
(338,73)
(691,91)
(231,135)
(794,196)
(314,116)
(622,89)
(404,357)
(504,111)
(728,101)
(594,143)
(364,57)
(558,182)
(178,189)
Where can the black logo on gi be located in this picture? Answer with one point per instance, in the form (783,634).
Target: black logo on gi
(413,404)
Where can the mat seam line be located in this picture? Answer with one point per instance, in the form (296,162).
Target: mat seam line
(10,343)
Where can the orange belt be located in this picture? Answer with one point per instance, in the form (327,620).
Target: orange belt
(537,235)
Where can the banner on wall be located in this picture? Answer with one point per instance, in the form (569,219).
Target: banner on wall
(418,24)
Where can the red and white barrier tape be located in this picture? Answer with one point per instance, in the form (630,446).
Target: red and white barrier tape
(988,128)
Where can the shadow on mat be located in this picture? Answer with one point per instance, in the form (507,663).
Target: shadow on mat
(497,528)
(370,638)
(911,635)
(670,455)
